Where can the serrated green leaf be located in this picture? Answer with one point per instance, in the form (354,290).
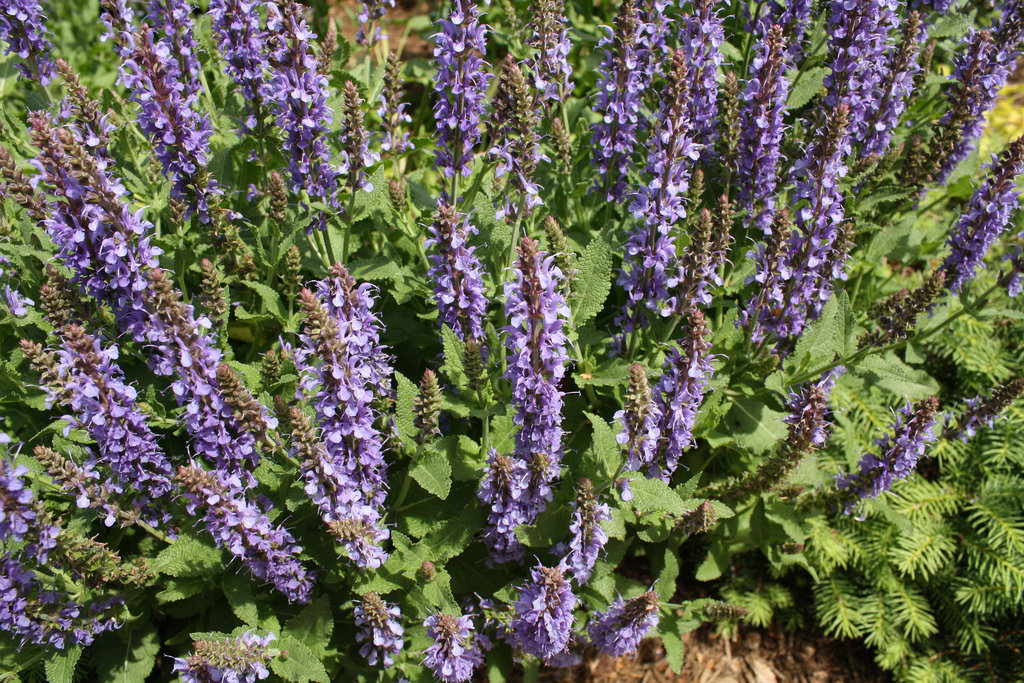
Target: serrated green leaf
(297,664)
(594,281)
(654,495)
(607,451)
(753,425)
(893,375)
(313,626)
(433,472)
(452,537)
(403,411)
(454,349)
(714,565)
(128,655)
(950,25)
(188,556)
(60,665)
(270,297)
(804,90)
(238,591)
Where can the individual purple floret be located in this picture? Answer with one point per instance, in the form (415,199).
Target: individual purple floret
(640,418)
(901,68)
(269,552)
(17,304)
(230,660)
(985,217)
(680,391)
(236,25)
(650,256)
(371,12)
(169,116)
(762,129)
(620,87)
(701,37)
(19,513)
(379,630)
(588,538)
(298,94)
(858,39)
(118,16)
(619,630)
(454,654)
(896,456)
(461,86)
(793,16)
(503,489)
(543,619)
(456,273)
(23,28)
(549,39)
(392,110)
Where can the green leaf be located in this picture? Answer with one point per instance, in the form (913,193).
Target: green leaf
(832,335)
(885,242)
(893,375)
(753,425)
(433,472)
(126,656)
(951,25)
(297,663)
(60,665)
(452,537)
(238,591)
(188,556)
(453,351)
(714,565)
(607,452)
(313,626)
(804,90)
(654,495)
(594,281)
(403,413)
(270,297)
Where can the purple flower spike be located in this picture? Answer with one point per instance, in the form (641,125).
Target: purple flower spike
(232,660)
(23,28)
(456,272)
(549,38)
(461,86)
(236,24)
(379,631)
(454,654)
(588,538)
(640,418)
(619,630)
(985,218)
(174,21)
(392,110)
(901,67)
(543,619)
(504,490)
(269,552)
(897,453)
(701,37)
(371,12)
(793,16)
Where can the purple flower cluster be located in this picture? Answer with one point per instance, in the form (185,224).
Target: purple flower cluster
(456,272)
(379,630)
(901,68)
(516,148)
(23,28)
(985,218)
(344,370)
(298,94)
(173,19)
(20,518)
(640,419)
(236,523)
(982,410)
(762,128)
(543,619)
(461,85)
(231,660)
(588,538)
(392,110)
(504,490)
(793,16)
(370,12)
(17,304)
(454,654)
(549,63)
(701,37)
(236,25)
(618,630)
(808,413)
(680,391)
(858,37)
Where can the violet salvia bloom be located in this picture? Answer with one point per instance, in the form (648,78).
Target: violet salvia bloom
(549,39)
(858,39)
(456,273)
(620,86)
(232,660)
(543,619)
(17,304)
(392,110)
(236,25)
(619,629)
(588,538)
(173,19)
(680,391)
(516,147)
(169,116)
(298,94)
(118,17)
(762,129)
(18,509)
(370,12)
(985,217)
(982,410)
(793,16)
(809,412)
(701,37)
(697,269)
(237,524)
(901,68)
(454,654)
(640,418)
(82,115)
(460,84)
(897,453)
(380,632)
(503,489)
(23,28)
(650,248)
(356,155)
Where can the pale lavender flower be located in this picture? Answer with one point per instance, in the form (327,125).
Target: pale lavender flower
(23,28)
(516,148)
(982,410)
(174,21)
(901,68)
(503,489)
(229,660)
(17,304)
(371,12)
(701,37)
(543,619)
(380,632)
(588,537)
(118,17)
(793,16)
(236,25)
(456,273)
(549,39)
(19,512)
(392,110)
(454,654)
(619,630)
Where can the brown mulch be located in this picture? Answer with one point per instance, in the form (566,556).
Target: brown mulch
(752,656)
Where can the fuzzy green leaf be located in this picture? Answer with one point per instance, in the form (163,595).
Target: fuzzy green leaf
(313,626)
(606,450)
(297,664)
(60,665)
(811,81)
(433,472)
(126,656)
(188,556)
(594,281)
(453,351)
(403,412)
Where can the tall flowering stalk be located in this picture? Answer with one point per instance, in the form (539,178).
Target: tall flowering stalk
(517,143)
(650,248)
(549,62)
(173,19)
(356,155)
(793,16)
(697,269)
(543,619)
(242,41)
(701,37)
(504,490)
(269,552)
(588,537)
(460,84)
(618,630)
(640,419)
(370,13)
(985,218)
(456,272)
(240,660)
(380,632)
(761,127)
(454,653)
(392,110)
(23,28)
(982,410)
(901,68)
